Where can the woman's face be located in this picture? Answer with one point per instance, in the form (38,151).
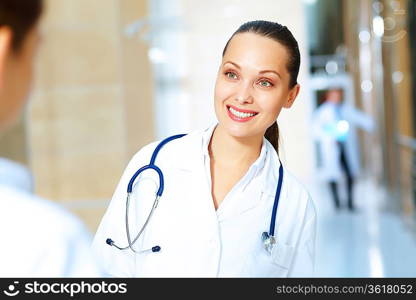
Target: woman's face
(252,85)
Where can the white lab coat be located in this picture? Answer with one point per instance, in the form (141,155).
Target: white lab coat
(331,169)
(40,239)
(16,175)
(194,240)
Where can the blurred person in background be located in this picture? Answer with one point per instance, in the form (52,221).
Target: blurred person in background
(222,185)
(335,124)
(39,238)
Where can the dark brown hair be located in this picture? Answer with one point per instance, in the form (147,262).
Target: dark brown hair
(280,34)
(21,16)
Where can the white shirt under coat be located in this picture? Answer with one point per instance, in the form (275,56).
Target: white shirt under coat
(195,239)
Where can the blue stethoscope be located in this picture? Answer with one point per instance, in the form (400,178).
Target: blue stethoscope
(268,238)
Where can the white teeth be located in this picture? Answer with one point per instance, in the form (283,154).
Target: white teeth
(240,114)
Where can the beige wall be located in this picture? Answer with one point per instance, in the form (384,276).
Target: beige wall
(13,143)
(92,104)
(399,60)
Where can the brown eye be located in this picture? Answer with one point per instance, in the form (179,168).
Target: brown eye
(231,75)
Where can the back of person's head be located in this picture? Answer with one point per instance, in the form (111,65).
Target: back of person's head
(20,16)
(18,43)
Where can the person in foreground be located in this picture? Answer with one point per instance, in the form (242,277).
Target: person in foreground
(228,207)
(39,238)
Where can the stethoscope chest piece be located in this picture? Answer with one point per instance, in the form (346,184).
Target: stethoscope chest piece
(268,242)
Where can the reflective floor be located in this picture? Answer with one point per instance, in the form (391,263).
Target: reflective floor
(368,243)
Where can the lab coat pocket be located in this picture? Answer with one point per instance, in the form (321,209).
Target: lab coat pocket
(282,255)
(148,263)
(276,264)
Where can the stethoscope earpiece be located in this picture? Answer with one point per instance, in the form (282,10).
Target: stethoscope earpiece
(154,249)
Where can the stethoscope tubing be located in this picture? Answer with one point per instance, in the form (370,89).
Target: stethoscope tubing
(130,243)
(268,238)
(276,201)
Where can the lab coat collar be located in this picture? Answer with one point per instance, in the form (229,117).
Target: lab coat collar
(272,172)
(206,138)
(189,159)
(198,141)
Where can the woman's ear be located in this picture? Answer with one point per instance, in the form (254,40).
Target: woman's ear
(293,93)
(5,48)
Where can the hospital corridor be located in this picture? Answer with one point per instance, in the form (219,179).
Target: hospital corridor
(371,242)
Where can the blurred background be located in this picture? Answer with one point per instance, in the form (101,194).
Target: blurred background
(114,75)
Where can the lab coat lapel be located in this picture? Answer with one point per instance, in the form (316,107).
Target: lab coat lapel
(240,204)
(188,158)
(272,174)
(187,155)
(190,162)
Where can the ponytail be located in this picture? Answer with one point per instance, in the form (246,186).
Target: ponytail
(272,135)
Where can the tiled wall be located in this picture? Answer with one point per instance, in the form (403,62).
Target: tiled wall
(92,103)
(13,143)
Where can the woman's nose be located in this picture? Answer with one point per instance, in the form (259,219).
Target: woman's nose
(244,94)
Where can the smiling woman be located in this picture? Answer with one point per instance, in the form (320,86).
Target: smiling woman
(225,205)
(253,84)
(285,60)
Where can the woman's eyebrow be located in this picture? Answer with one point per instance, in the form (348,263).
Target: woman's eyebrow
(270,71)
(261,72)
(230,62)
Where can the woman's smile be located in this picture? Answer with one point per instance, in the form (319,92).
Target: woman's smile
(240,115)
